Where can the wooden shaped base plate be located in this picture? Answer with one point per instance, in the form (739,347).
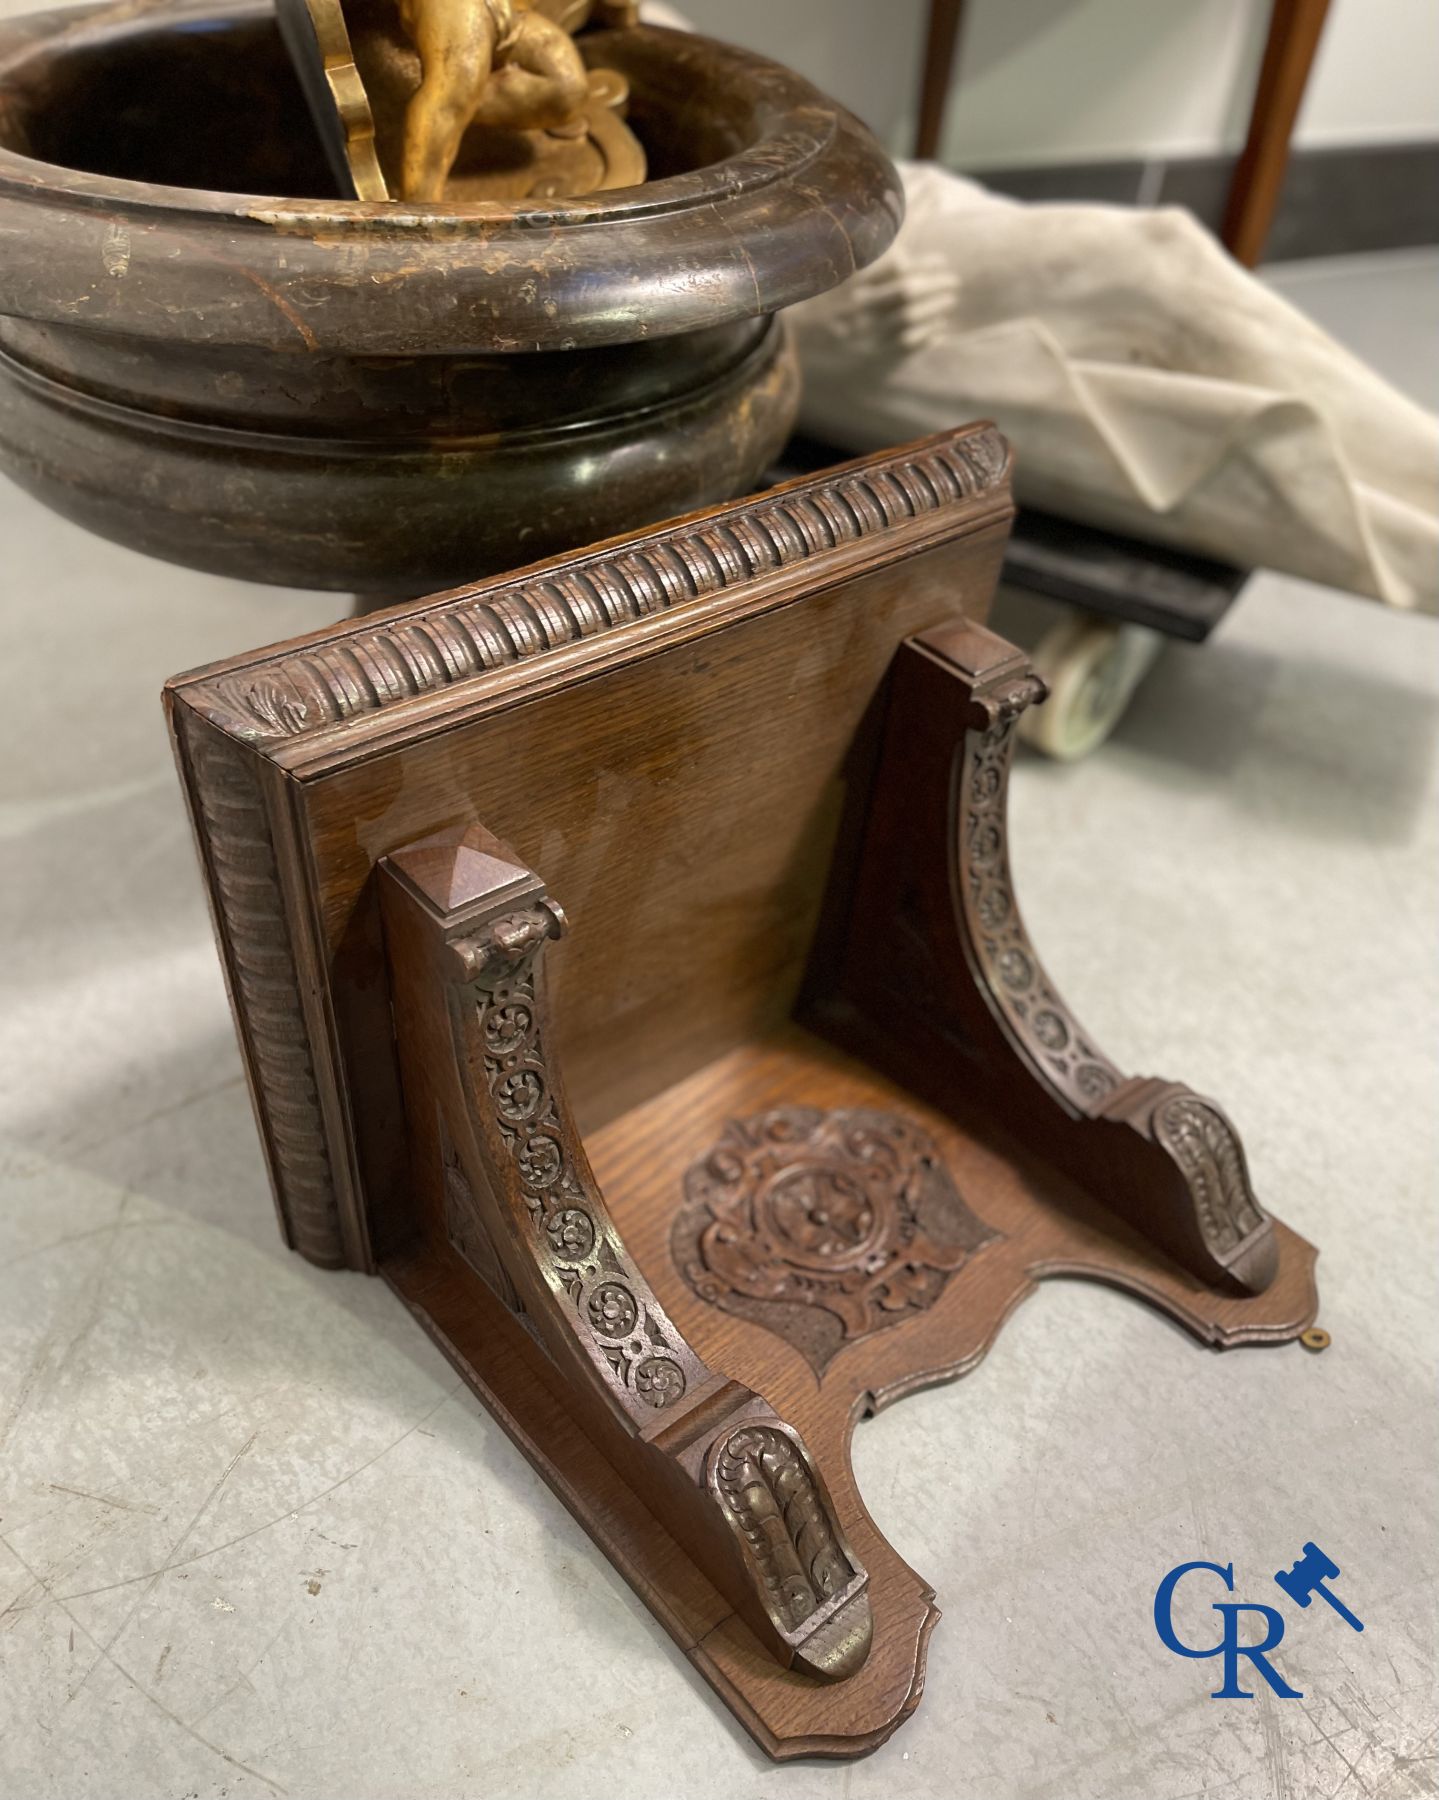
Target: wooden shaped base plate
(1039,1225)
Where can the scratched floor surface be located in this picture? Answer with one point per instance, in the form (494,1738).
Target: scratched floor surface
(253,1540)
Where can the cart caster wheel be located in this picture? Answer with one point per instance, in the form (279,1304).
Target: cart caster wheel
(1091,668)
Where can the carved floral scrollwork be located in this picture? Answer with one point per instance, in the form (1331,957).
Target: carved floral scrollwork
(1019,989)
(572,1242)
(823,1226)
(612,1310)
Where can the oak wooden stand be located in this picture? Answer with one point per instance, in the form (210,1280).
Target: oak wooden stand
(788,1116)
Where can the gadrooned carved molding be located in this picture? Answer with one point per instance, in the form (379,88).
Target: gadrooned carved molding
(364,669)
(572,1239)
(823,1226)
(266,988)
(1208,1152)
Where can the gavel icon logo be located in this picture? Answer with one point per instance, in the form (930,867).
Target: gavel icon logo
(1301,1583)
(1307,1578)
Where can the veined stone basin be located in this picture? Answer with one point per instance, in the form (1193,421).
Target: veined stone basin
(390,399)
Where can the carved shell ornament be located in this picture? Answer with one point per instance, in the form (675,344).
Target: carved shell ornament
(823,1226)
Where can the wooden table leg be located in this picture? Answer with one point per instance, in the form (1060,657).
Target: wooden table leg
(939,52)
(1294,31)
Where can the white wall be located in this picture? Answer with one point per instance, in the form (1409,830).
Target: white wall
(1376,75)
(1090,80)
(865,53)
(1087,80)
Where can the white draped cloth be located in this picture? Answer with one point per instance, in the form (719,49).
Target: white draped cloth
(1148,383)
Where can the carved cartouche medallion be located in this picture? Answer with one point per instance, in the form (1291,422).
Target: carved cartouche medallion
(823,1226)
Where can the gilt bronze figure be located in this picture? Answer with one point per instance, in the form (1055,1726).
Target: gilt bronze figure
(434,100)
(222,345)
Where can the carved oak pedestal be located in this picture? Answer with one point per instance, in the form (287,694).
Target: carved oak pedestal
(628,968)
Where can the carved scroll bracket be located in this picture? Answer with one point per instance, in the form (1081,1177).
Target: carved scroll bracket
(608,1308)
(466,927)
(1041,1028)
(937,891)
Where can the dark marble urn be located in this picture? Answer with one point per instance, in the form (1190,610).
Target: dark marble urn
(205,357)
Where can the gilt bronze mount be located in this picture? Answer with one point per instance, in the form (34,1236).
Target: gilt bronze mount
(430,100)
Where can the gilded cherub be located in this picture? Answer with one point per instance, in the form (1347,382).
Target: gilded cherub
(496,63)
(463,100)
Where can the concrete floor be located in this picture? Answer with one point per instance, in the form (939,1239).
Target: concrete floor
(254,1539)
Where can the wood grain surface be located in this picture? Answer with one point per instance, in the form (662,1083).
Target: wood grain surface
(663,727)
(677,1241)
